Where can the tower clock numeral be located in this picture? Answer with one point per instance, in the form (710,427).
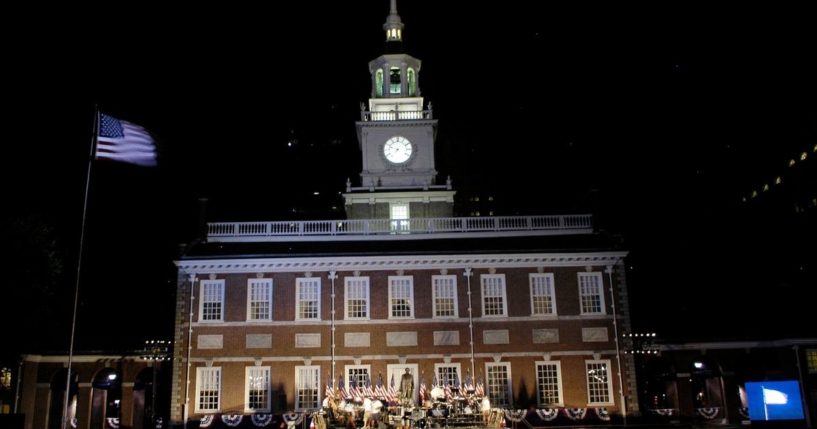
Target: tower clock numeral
(397,149)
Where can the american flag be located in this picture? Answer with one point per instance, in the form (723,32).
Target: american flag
(123,141)
(379,391)
(392,393)
(342,389)
(330,391)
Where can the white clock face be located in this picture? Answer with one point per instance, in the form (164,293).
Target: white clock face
(397,149)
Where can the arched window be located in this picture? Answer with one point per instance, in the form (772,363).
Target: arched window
(412,82)
(378,82)
(394,81)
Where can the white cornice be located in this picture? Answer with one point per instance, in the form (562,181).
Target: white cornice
(414,196)
(411,357)
(239,264)
(462,322)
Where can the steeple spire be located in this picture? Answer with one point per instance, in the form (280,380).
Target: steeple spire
(393,25)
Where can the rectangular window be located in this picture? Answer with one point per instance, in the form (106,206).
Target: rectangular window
(399,214)
(259,299)
(591,294)
(811,360)
(258,389)
(358,376)
(543,297)
(401,297)
(494,301)
(356,291)
(208,388)
(308,301)
(448,374)
(444,291)
(549,383)
(211,308)
(498,384)
(599,388)
(307,382)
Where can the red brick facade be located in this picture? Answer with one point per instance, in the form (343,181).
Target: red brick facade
(512,341)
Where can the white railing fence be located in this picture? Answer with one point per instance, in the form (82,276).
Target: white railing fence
(582,222)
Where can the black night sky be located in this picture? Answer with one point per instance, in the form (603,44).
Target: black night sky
(657,119)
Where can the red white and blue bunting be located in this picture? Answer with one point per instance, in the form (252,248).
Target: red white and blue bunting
(708,413)
(293,419)
(289,420)
(261,420)
(232,420)
(538,417)
(576,413)
(547,414)
(515,416)
(206,421)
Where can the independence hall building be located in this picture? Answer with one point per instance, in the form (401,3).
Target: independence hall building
(529,307)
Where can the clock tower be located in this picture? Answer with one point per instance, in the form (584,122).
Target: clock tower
(396,133)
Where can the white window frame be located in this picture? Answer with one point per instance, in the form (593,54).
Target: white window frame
(444,282)
(546,281)
(347,375)
(457,371)
(394,282)
(200,373)
(264,372)
(484,280)
(394,374)
(300,384)
(399,223)
(300,283)
(204,286)
(508,380)
(558,365)
(251,283)
(609,381)
(349,283)
(599,282)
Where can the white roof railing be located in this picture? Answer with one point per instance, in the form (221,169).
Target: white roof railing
(406,229)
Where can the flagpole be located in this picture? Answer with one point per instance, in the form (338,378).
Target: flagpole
(765,406)
(65,424)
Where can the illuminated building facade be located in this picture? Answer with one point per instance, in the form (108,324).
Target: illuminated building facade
(270,314)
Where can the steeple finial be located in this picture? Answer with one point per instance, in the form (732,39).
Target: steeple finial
(393,25)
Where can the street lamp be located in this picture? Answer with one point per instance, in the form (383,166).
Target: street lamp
(155,351)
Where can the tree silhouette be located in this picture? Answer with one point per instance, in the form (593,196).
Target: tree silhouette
(31,279)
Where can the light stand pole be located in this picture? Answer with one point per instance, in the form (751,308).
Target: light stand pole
(192,278)
(17,391)
(609,271)
(155,351)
